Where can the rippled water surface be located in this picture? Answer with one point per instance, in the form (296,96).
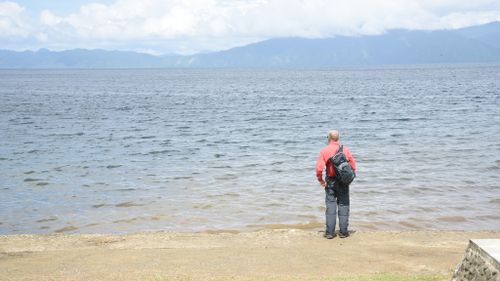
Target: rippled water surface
(190,150)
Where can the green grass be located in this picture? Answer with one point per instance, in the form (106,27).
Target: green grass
(374,277)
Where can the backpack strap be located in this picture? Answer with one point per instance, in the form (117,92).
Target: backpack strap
(341,149)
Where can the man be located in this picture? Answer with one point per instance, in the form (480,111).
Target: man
(337,194)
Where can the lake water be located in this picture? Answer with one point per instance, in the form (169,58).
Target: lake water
(84,151)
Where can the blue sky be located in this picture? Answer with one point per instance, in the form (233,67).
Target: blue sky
(189,26)
(57,6)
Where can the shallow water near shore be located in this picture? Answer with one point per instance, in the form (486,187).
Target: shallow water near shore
(118,151)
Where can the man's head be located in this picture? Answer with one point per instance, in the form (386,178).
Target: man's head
(333,135)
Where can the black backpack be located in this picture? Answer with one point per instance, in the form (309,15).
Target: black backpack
(343,171)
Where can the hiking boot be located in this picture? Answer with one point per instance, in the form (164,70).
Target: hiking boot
(344,235)
(328,236)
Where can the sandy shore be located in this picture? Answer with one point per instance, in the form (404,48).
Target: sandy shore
(282,254)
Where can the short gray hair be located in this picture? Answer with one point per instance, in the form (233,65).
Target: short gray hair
(333,135)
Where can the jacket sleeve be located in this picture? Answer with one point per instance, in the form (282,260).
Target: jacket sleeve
(351,160)
(320,165)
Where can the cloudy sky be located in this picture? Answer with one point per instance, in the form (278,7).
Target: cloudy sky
(188,26)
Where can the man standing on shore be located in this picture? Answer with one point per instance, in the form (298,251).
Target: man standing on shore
(337,194)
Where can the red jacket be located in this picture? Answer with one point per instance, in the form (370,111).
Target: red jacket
(325,154)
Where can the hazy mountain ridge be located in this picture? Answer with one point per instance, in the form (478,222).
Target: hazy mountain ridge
(477,44)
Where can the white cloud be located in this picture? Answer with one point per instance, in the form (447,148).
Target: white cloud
(457,20)
(13,21)
(194,25)
(48,18)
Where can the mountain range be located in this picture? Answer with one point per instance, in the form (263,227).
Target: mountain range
(476,44)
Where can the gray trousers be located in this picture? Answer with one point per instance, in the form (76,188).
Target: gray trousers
(337,197)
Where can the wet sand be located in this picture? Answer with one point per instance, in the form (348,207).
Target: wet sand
(269,253)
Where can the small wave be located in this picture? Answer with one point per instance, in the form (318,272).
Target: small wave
(231,194)
(407,119)
(42,183)
(368,226)
(408,225)
(137,130)
(124,108)
(126,220)
(182,178)
(47,219)
(113,166)
(495,201)
(98,205)
(164,151)
(150,218)
(428,209)
(488,217)
(273,226)
(397,135)
(257,119)
(92,224)
(66,229)
(127,189)
(493,168)
(452,219)
(31,179)
(228,194)
(226,177)
(146,120)
(221,167)
(271,205)
(370,192)
(29,172)
(165,142)
(311,217)
(128,204)
(65,135)
(202,206)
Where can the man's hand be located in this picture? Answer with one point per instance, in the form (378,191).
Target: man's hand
(322,183)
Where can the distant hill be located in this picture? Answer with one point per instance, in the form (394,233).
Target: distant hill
(477,44)
(487,33)
(76,58)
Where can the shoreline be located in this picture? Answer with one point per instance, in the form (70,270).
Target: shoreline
(273,253)
(314,225)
